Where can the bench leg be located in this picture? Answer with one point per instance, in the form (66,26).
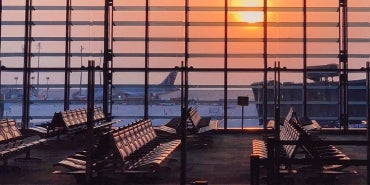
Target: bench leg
(254,167)
(28,157)
(5,161)
(5,168)
(28,153)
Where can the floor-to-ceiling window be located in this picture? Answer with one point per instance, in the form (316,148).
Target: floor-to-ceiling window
(223,41)
(12,45)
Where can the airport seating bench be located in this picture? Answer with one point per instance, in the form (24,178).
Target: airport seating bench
(317,150)
(262,151)
(195,123)
(72,121)
(307,124)
(200,124)
(135,148)
(12,141)
(295,137)
(140,148)
(171,128)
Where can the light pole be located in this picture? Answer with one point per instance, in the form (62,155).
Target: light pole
(38,66)
(32,85)
(81,49)
(101,54)
(243,101)
(47,87)
(16,81)
(16,86)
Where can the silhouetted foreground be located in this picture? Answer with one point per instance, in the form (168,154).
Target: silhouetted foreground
(225,160)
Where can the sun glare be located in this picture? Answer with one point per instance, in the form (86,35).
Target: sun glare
(249,16)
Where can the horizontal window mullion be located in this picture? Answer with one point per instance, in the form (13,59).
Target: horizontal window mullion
(194,55)
(192,8)
(51,54)
(180,23)
(176,39)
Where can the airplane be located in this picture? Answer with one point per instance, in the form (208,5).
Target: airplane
(134,92)
(165,87)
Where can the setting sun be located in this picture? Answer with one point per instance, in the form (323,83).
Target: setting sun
(249,16)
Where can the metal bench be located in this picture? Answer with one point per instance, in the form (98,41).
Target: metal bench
(279,154)
(195,123)
(263,155)
(139,148)
(135,148)
(200,124)
(12,141)
(316,149)
(71,122)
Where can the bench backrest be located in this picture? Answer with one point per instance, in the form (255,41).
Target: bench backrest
(289,133)
(75,118)
(98,114)
(9,131)
(309,143)
(132,137)
(290,114)
(194,116)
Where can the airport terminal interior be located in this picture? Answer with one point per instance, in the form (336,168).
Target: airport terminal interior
(184,92)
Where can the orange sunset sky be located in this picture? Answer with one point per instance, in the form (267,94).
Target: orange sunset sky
(245,33)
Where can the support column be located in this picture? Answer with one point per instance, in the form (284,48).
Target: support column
(67,56)
(184,116)
(108,60)
(276,143)
(146,73)
(2,96)
(184,93)
(368,118)
(1,25)
(90,120)
(1,68)
(343,63)
(264,119)
(183,127)
(304,93)
(27,64)
(226,64)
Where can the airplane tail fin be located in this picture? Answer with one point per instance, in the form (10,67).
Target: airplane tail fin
(170,79)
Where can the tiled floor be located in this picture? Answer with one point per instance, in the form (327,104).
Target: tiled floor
(218,159)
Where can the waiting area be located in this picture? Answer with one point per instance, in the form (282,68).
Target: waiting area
(225,160)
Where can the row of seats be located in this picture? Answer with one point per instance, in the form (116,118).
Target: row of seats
(78,117)
(139,146)
(287,133)
(200,124)
(72,121)
(135,147)
(195,123)
(11,140)
(293,136)
(319,151)
(261,149)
